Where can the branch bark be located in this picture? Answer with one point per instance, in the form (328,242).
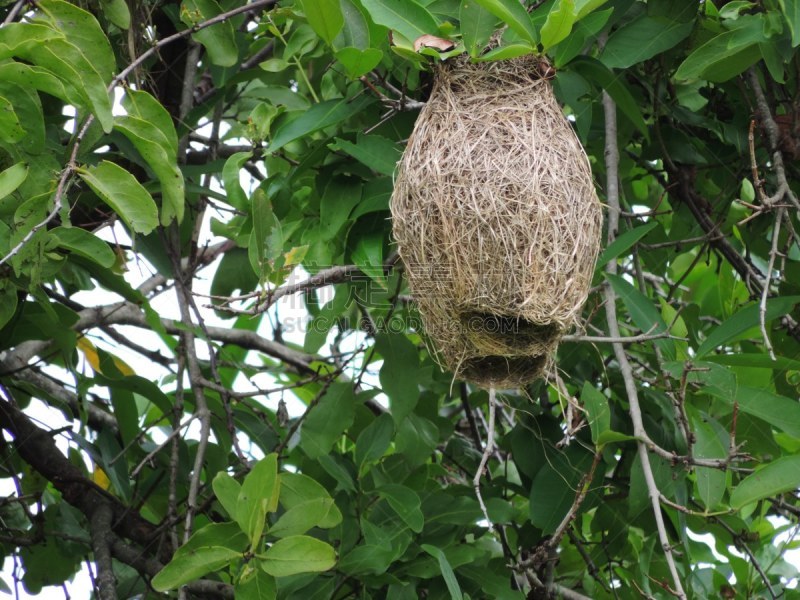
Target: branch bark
(39,450)
(612,196)
(100,526)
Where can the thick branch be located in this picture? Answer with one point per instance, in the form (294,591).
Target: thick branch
(97,418)
(39,450)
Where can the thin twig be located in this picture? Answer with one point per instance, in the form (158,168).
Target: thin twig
(487,452)
(612,194)
(174,433)
(583,489)
(15,10)
(61,189)
(773,139)
(762,306)
(186,32)
(740,544)
(621,339)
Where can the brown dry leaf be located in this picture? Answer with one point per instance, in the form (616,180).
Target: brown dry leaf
(431,41)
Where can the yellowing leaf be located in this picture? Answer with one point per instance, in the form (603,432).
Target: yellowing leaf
(100,478)
(93,358)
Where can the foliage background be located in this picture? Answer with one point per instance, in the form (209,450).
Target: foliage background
(165,166)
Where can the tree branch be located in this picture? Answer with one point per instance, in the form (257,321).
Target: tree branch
(612,195)
(100,527)
(39,450)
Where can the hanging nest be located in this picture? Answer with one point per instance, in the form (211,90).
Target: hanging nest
(497,220)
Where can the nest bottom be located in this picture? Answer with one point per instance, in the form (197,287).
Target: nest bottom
(495,350)
(506,335)
(504,371)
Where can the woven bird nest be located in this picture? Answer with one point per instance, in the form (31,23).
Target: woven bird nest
(497,220)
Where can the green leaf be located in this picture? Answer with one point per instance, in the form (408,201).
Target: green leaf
(367,558)
(12,178)
(258,496)
(338,200)
(597,411)
(447,571)
(623,242)
(399,373)
(359,62)
(144,106)
(378,153)
(776,477)
(506,52)
(219,40)
(154,147)
(318,117)
(725,55)
(583,8)
(610,437)
(225,534)
(759,361)
(356,30)
(302,517)
(27,107)
(600,75)
(559,23)
(82,30)
(406,503)
(117,12)
(192,565)
(274,65)
(328,420)
(8,301)
(779,411)
(298,554)
(255,584)
(513,14)
(120,190)
(791,10)
(76,70)
(86,244)
(209,549)
(231,178)
(710,482)
(227,490)
(367,251)
(744,320)
(584,30)
(325,17)
(644,314)
(31,76)
(477,26)
(641,39)
(18,38)
(264,224)
(297,489)
(416,439)
(373,441)
(409,19)
(554,486)
(11,130)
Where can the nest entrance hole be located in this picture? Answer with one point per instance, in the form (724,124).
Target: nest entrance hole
(504,368)
(509,331)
